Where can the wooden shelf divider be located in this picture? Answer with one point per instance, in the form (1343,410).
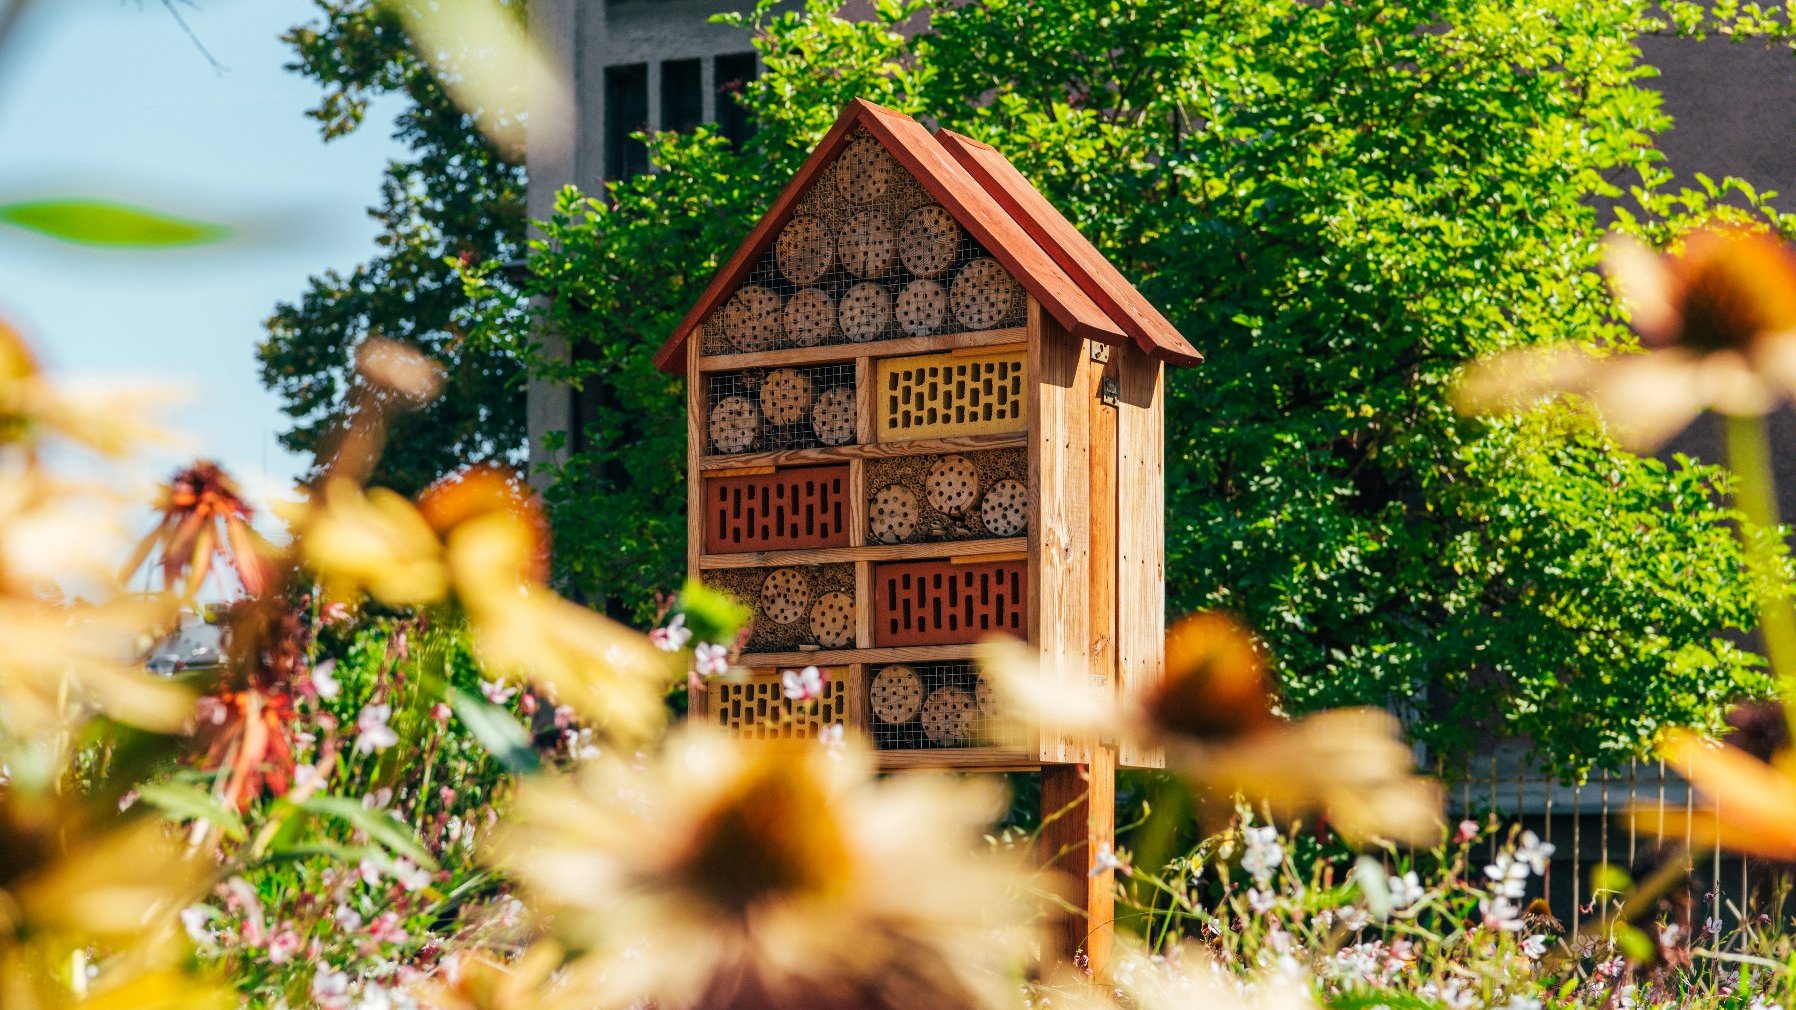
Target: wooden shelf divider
(876,450)
(870,349)
(848,657)
(970,550)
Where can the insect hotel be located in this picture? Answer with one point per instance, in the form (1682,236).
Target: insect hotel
(924,411)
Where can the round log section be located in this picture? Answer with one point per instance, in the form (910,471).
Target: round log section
(868,244)
(786,396)
(865,312)
(832,620)
(805,249)
(929,241)
(982,294)
(752,319)
(810,315)
(785,596)
(1005,510)
(953,485)
(734,424)
(833,417)
(985,696)
(892,514)
(922,307)
(865,172)
(948,716)
(896,694)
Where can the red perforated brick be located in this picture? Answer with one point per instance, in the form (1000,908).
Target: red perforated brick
(793,508)
(937,603)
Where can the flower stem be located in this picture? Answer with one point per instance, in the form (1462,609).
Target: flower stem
(1749,455)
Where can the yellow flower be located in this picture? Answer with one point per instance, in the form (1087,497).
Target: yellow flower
(1717,317)
(60,661)
(108,418)
(477,983)
(733,875)
(371,541)
(1749,805)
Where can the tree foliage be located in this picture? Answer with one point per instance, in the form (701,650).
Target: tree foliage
(455,198)
(1340,204)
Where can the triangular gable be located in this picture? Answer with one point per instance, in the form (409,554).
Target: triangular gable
(1071,250)
(972,205)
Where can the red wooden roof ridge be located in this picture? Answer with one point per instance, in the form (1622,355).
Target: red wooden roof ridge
(978,208)
(1073,251)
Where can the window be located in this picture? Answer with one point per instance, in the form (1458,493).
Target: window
(626,112)
(682,95)
(733,71)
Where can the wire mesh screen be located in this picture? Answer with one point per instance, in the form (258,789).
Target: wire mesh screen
(774,409)
(756,707)
(868,255)
(971,496)
(931,707)
(795,607)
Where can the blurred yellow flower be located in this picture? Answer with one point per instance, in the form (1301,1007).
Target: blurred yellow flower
(1748,805)
(372,541)
(62,661)
(730,875)
(1717,315)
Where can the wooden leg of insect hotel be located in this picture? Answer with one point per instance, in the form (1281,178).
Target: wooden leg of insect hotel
(1078,804)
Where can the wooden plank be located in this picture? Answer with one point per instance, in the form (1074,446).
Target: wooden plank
(875,450)
(863,604)
(1015,345)
(857,699)
(968,759)
(1002,549)
(698,702)
(971,339)
(744,471)
(1075,254)
(1060,541)
(1141,542)
(844,657)
(857,503)
(864,394)
(1078,811)
(1101,658)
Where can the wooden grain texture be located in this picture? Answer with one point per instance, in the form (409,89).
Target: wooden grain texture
(843,657)
(863,609)
(1141,541)
(1006,337)
(1063,243)
(1060,541)
(976,209)
(695,503)
(973,550)
(857,697)
(1102,483)
(968,759)
(1078,811)
(871,450)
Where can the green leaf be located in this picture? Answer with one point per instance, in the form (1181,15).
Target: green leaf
(188,803)
(375,823)
(497,731)
(109,224)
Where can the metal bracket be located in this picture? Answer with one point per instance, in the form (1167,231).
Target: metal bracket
(1100,351)
(1110,391)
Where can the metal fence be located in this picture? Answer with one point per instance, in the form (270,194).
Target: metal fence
(1589,825)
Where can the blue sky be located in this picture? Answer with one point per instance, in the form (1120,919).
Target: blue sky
(107,98)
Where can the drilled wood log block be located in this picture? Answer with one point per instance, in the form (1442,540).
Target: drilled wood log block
(786,396)
(865,312)
(734,425)
(752,319)
(805,249)
(896,694)
(929,241)
(982,294)
(810,316)
(922,307)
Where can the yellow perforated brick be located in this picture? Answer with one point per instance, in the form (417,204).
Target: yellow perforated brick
(756,708)
(945,395)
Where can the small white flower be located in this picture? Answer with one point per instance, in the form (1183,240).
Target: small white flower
(1405,890)
(324,680)
(283,946)
(1264,853)
(1261,901)
(1508,876)
(803,685)
(306,776)
(1625,996)
(1712,926)
(1535,852)
(195,919)
(1534,946)
(1107,860)
(372,731)
(672,638)
(410,875)
(369,871)
(1355,919)
(710,660)
(1519,1002)
(327,983)
(347,919)
(497,691)
(1501,914)
(833,738)
(1761,1003)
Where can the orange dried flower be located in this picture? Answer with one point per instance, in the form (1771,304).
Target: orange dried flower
(204,516)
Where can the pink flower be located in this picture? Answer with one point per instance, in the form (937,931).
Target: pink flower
(441,712)
(335,612)
(803,685)
(710,660)
(410,875)
(673,637)
(281,949)
(496,691)
(833,739)
(372,731)
(323,679)
(386,929)
(1468,830)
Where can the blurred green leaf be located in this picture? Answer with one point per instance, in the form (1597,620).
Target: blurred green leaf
(105,223)
(497,731)
(375,823)
(191,803)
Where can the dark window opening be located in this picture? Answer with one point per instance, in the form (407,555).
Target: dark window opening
(734,71)
(626,112)
(682,95)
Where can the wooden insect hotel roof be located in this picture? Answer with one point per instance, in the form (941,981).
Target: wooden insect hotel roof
(999,209)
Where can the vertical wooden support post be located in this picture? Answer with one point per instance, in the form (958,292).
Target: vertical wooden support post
(1081,799)
(1141,541)
(696,429)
